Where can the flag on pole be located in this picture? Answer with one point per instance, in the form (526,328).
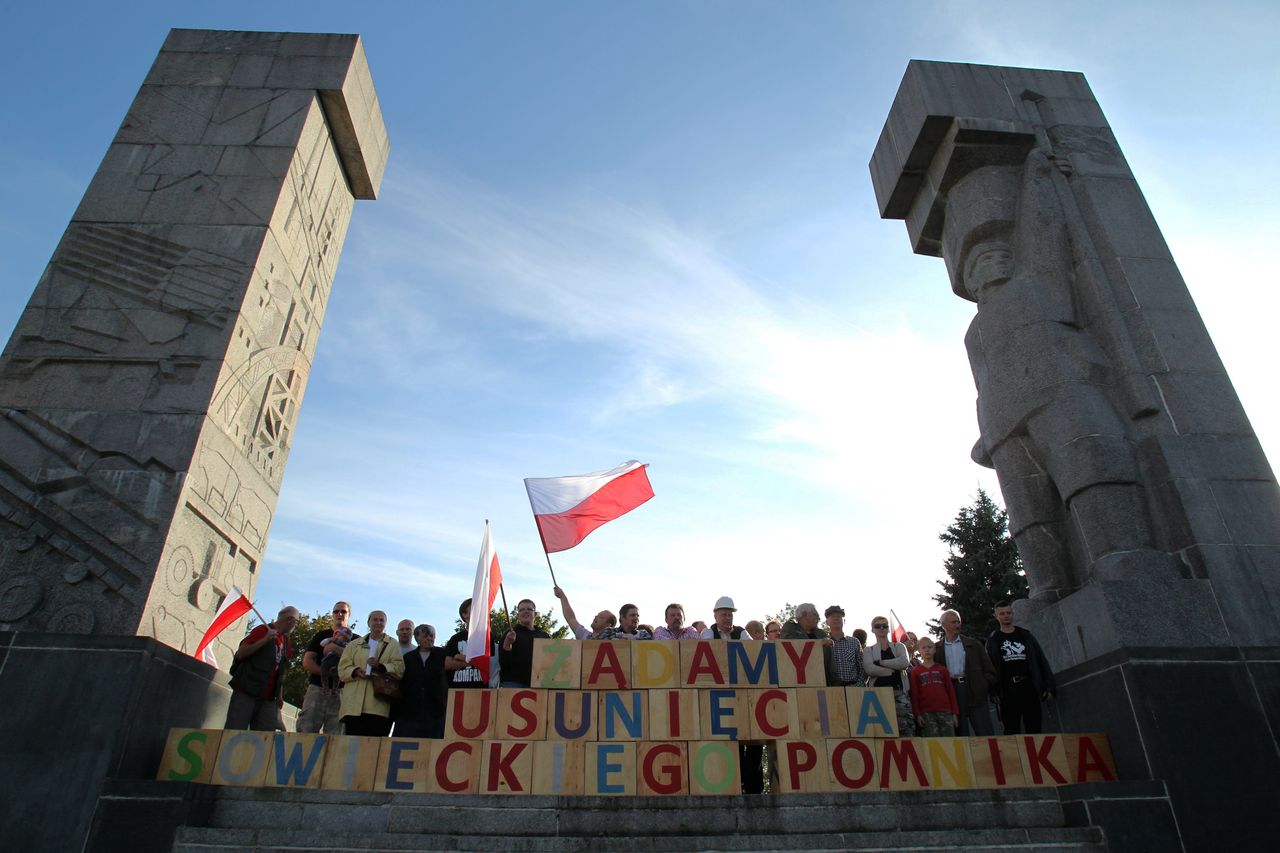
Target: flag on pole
(566,509)
(488,579)
(898,633)
(235,605)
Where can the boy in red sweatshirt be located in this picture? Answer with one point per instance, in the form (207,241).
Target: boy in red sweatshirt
(933,698)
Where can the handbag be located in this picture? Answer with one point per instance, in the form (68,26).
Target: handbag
(385,687)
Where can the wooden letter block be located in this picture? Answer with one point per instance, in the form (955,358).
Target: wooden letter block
(470,715)
(949,765)
(801,766)
(800,664)
(725,714)
(1089,757)
(673,715)
(655,664)
(189,755)
(853,764)
(242,759)
(557,664)
(900,766)
(771,714)
(752,664)
(295,760)
(713,768)
(820,713)
(572,715)
(404,764)
(559,767)
(606,664)
(703,663)
(997,762)
(455,767)
(623,716)
(350,763)
(1044,760)
(522,714)
(611,769)
(507,768)
(872,712)
(663,769)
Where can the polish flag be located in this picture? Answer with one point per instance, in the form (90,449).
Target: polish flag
(235,605)
(898,633)
(488,579)
(568,508)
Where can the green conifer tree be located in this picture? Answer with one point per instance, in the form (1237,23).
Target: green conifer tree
(983,568)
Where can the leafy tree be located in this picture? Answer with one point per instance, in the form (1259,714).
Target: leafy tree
(500,624)
(788,611)
(983,568)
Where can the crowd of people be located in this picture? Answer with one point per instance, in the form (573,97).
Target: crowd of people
(366,684)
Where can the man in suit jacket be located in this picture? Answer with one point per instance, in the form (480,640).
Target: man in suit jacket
(972,673)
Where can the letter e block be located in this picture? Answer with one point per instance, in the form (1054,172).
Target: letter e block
(557,664)
(611,769)
(725,714)
(404,764)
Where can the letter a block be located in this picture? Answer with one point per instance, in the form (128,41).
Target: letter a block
(506,768)
(703,663)
(557,664)
(606,664)
(1089,758)
(559,768)
(404,764)
(662,769)
(872,712)
(189,755)
(350,763)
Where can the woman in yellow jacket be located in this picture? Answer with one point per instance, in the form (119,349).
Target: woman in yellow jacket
(362,712)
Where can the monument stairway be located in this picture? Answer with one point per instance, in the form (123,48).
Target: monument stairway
(278,820)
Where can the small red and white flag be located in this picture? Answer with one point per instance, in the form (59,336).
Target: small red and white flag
(488,579)
(235,605)
(568,508)
(897,633)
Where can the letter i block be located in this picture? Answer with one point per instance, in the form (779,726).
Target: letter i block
(295,760)
(559,768)
(350,763)
(997,762)
(189,755)
(713,768)
(655,664)
(623,715)
(1089,758)
(506,768)
(557,664)
(242,759)
(820,713)
(455,767)
(662,769)
(611,769)
(606,664)
(771,714)
(872,712)
(800,664)
(725,714)
(673,715)
(1044,760)
(949,766)
(404,764)
(522,714)
(853,765)
(802,767)
(703,663)
(470,715)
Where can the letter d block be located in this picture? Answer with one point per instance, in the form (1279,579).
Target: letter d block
(611,769)
(713,768)
(655,664)
(242,759)
(296,760)
(404,764)
(802,767)
(559,768)
(997,762)
(350,763)
(522,714)
(557,664)
(662,769)
(470,715)
(189,755)
(506,767)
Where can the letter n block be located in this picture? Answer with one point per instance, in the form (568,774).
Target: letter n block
(606,664)
(242,759)
(802,766)
(853,765)
(713,768)
(1089,757)
(350,763)
(559,768)
(404,765)
(655,664)
(471,714)
(557,664)
(522,714)
(611,769)
(296,760)
(997,762)
(506,767)
(673,715)
(189,755)
(623,715)
(820,713)
(949,766)
(662,769)
(455,767)
(801,664)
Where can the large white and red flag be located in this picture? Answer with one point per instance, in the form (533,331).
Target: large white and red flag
(235,605)
(568,508)
(898,634)
(488,579)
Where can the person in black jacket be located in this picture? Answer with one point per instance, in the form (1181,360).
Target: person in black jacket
(1025,677)
(420,711)
(516,657)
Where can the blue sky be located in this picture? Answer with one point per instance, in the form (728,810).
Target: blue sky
(646,230)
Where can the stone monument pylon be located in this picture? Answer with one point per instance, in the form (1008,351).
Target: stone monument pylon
(150,390)
(1144,509)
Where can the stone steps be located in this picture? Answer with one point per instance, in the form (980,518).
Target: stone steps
(280,820)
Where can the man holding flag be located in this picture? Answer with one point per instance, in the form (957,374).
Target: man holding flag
(257,675)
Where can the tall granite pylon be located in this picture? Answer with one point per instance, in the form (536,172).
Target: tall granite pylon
(150,390)
(1144,509)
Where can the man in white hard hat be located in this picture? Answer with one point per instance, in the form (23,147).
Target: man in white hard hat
(723,627)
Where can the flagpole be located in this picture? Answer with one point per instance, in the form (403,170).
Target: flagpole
(554,582)
(511,626)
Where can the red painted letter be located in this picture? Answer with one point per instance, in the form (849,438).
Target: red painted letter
(794,748)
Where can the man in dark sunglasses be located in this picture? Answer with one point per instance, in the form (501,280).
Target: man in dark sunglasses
(320,704)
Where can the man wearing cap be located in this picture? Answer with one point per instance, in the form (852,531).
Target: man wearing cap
(750,755)
(846,668)
(723,627)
